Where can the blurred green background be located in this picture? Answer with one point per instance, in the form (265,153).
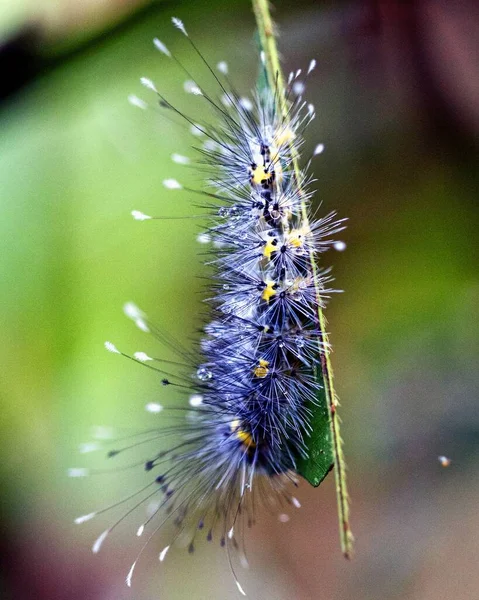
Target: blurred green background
(396,94)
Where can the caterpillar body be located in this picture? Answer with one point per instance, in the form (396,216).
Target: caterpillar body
(251,391)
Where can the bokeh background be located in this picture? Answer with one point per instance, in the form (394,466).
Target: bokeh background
(397,98)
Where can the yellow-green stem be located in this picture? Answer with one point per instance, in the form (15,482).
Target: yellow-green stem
(266,30)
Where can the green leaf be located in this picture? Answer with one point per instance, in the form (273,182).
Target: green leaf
(320,459)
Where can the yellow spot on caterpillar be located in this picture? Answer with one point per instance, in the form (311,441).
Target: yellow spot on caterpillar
(262,369)
(269,248)
(268,291)
(260,174)
(284,137)
(296,240)
(244,436)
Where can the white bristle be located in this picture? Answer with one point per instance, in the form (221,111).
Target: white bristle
(318,150)
(262,56)
(135,101)
(132,311)
(140,530)
(159,45)
(196,400)
(85,518)
(283,518)
(196,130)
(222,67)
(139,216)
(141,324)
(153,407)
(240,589)
(130,574)
(290,77)
(298,88)
(112,348)
(311,109)
(312,66)
(162,554)
(88,447)
(180,159)
(148,84)
(231,533)
(297,74)
(142,356)
(203,238)
(210,145)
(178,23)
(191,87)
(296,502)
(99,541)
(172,184)
(78,472)
(339,246)
(246,103)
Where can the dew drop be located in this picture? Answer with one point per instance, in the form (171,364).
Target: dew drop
(204,374)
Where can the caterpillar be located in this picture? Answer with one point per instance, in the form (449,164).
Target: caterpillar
(252,382)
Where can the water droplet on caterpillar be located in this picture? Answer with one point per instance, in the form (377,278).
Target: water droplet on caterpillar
(204,374)
(299,341)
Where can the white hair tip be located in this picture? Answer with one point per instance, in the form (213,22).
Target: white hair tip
(139,216)
(161,556)
(130,574)
(203,238)
(196,400)
(178,23)
(148,84)
(159,45)
(240,589)
(132,311)
(78,472)
(172,184)
(191,87)
(298,88)
(196,130)
(88,447)
(153,407)
(141,324)
(180,159)
(339,246)
(138,102)
(222,67)
(99,541)
(112,348)
(84,518)
(140,530)
(246,104)
(142,356)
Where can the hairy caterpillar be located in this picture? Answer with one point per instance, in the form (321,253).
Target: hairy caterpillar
(251,392)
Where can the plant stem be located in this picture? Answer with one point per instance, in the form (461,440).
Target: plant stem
(266,30)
